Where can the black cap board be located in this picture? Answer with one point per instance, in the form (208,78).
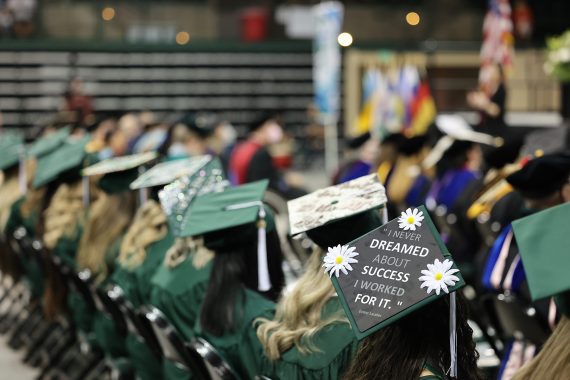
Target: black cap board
(392,271)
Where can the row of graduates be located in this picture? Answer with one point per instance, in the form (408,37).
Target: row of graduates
(195,250)
(475,186)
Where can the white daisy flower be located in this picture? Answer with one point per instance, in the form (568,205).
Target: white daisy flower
(339,259)
(439,276)
(409,219)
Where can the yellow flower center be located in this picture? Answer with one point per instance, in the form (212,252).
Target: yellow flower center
(338,260)
(410,220)
(438,276)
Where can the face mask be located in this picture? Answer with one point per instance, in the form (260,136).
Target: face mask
(274,133)
(177,150)
(105,154)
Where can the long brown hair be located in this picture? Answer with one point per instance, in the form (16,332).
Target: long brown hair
(109,217)
(402,349)
(298,315)
(553,361)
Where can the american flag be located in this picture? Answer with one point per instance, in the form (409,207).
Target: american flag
(498,38)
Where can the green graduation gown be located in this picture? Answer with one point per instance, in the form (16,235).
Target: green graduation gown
(178,292)
(32,271)
(137,287)
(241,348)
(336,346)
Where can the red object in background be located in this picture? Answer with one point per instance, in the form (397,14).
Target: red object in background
(254,24)
(283,162)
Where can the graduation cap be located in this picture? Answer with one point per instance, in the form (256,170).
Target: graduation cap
(176,197)
(546,141)
(11,137)
(314,211)
(48,143)
(118,172)
(230,218)
(167,172)
(542,176)
(543,242)
(10,155)
(392,271)
(203,124)
(67,156)
(457,135)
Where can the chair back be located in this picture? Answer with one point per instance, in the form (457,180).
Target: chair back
(215,365)
(518,321)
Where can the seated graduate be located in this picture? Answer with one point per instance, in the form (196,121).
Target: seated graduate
(543,183)
(309,337)
(239,229)
(145,245)
(543,240)
(107,221)
(418,329)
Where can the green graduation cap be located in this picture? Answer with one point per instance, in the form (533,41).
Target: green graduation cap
(167,172)
(10,155)
(118,172)
(68,156)
(48,143)
(391,271)
(176,197)
(231,218)
(11,137)
(543,242)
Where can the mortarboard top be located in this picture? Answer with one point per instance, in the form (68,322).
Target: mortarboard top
(67,156)
(48,143)
(119,164)
(542,176)
(178,195)
(543,241)
(10,155)
(11,137)
(456,130)
(546,141)
(392,271)
(233,207)
(167,172)
(335,203)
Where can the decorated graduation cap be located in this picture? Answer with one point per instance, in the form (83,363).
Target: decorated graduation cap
(392,271)
(546,141)
(338,213)
(542,176)
(543,242)
(231,218)
(118,172)
(166,172)
(457,134)
(177,196)
(67,157)
(48,143)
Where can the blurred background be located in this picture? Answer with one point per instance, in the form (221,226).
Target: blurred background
(236,58)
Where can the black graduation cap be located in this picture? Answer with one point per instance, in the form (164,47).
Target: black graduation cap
(542,176)
(392,271)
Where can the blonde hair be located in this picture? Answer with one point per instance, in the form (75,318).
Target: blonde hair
(9,193)
(185,247)
(298,316)
(553,361)
(64,213)
(149,226)
(109,217)
(34,197)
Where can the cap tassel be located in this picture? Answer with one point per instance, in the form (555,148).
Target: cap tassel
(22,174)
(263,281)
(86,191)
(452,336)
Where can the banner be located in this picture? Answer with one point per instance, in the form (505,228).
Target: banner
(326,75)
